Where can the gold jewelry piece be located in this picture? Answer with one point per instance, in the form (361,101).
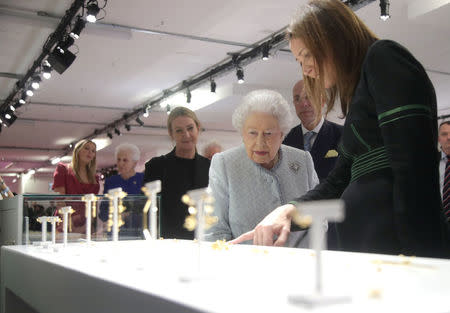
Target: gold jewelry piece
(220,245)
(304,221)
(120,208)
(190,223)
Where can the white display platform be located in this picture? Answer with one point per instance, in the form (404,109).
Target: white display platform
(143,276)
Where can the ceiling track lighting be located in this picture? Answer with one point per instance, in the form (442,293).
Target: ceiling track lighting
(79,26)
(240,75)
(109,135)
(29,91)
(8,117)
(35,81)
(384,10)
(46,70)
(127,127)
(139,121)
(275,42)
(55,54)
(265,52)
(92,11)
(146,114)
(60,61)
(64,45)
(18,104)
(168,109)
(23,97)
(117,131)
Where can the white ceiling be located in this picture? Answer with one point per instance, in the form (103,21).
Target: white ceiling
(117,70)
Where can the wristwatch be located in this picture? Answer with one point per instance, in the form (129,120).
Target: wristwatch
(5,191)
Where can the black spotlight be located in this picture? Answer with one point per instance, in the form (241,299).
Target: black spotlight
(213,86)
(384,6)
(109,135)
(265,52)
(23,97)
(46,70)
(60,61)
(127,127)
(188,96)
(117,131)
(64,45)
(240,75)
(8,117)
(17,105)
(92,11)
(79,25)
(29,92)
(35,81)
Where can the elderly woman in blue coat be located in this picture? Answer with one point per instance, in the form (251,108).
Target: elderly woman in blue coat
(248,181)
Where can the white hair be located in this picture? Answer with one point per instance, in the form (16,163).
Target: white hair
(264,101)
(128,147)
(212,144)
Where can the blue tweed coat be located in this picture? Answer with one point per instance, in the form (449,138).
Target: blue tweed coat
(245,192)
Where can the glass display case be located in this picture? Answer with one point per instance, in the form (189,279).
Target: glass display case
(19,217)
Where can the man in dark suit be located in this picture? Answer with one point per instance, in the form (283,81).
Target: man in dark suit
(444,165)
(319,137)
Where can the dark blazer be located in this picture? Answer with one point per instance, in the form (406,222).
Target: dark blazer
(177,176)
(327,139)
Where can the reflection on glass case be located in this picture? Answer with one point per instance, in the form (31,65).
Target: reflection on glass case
(29,209)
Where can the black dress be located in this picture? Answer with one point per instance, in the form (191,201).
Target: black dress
(177,175)
(388,170)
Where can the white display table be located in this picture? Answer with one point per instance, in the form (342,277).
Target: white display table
(144,276)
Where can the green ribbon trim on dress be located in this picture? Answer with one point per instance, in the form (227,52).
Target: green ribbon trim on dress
(360,138)
(403,108)
(400,117)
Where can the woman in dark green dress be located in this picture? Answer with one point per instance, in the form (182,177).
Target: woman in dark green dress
(387,170)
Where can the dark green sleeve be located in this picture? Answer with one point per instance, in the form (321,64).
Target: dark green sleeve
(406,106)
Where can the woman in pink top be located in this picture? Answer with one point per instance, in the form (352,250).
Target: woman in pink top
(78,178)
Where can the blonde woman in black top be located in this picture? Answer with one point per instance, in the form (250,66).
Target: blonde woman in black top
(180,170)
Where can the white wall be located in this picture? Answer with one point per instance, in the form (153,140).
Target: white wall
(38,183)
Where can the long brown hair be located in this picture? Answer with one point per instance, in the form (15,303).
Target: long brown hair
(334,34)
(91,167)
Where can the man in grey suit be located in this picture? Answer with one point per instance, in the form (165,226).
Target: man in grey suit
(318,136)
